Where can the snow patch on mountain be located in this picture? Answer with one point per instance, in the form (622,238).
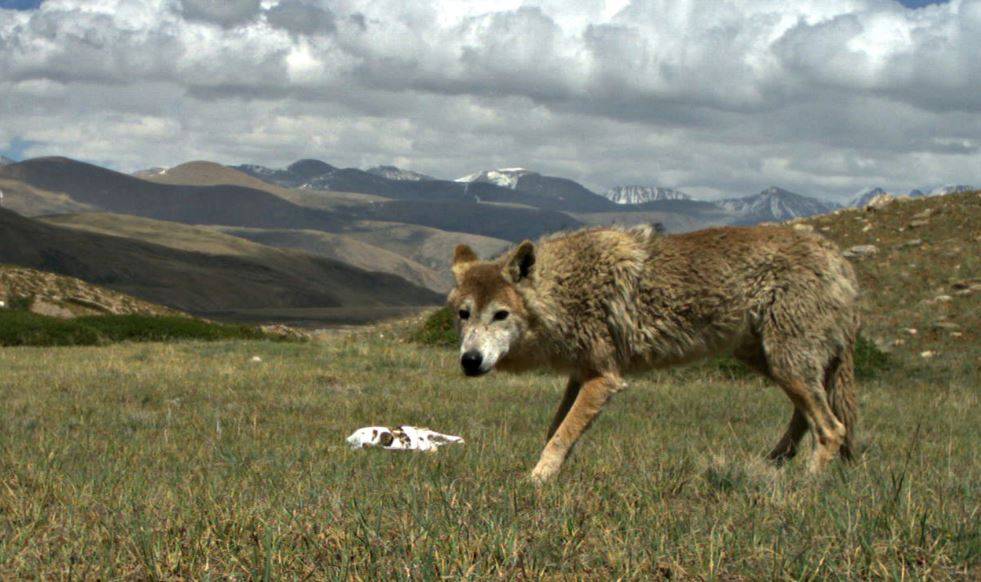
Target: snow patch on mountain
(503,177)
(257,170)
(774,205)
(398,174)
(950,189)
(641,194)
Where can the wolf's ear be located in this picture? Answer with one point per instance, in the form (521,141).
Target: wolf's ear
(463,255)
(519,266)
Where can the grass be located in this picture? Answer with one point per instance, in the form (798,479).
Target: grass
(192,460)
(22,328)
(189,461)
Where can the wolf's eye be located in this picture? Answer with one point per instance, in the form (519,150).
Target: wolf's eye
(501,315)
(464,314)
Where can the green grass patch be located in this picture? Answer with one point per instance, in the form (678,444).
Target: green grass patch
(869,359)
(437,330)
(22,328)
(190,461)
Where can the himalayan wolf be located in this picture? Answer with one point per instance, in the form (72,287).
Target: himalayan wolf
(600,303)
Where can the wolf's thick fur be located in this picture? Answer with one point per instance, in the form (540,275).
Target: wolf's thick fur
(600,303)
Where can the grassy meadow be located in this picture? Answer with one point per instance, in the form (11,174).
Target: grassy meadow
(192,460)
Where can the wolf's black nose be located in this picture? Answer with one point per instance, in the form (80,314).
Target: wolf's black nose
(471,362)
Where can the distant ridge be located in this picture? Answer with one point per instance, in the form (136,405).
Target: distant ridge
(124,194)
(570,195)
(641,194)
(774,205)
(195,281)
(394,173)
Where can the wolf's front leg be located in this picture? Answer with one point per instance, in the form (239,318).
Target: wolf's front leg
(594,394)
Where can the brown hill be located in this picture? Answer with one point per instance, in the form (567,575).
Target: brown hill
(204,173)
(919,263)
(27,200)
(259,244)
(111,191)
(195,281)
(350,250)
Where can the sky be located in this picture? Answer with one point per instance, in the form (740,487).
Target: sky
(714,97)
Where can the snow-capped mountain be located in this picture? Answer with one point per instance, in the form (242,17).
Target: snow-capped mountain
(570,194)
(503,177)
(395,173)
(642,194)
(950,189)
(296,175)
(4,161)
(864,196)
(774,205)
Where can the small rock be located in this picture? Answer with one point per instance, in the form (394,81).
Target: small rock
(913,242)
(955,334)
(256,359)
(879,202)
(911,330)
(859,251)
(924,215)
(947,325)
(918,223)
(928,354)
(803,227)
(942,299)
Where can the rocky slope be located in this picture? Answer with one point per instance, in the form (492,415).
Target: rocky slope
(919,265)
(58,295)
(643,194)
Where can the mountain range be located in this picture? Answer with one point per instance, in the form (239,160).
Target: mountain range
(773,205)
(568,194)
(394,173)
(356,237)
(643,194)
(865,195)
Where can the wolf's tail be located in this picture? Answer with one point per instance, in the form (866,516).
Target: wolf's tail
(840,385)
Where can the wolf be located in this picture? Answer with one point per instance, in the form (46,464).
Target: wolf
(600,303)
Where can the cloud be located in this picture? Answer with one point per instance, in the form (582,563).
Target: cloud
(227,13)
(718,97)
(302,17)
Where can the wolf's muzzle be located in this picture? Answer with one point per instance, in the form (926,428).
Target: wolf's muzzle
(471,362)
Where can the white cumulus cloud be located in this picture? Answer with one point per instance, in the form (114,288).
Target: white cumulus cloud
(728,97)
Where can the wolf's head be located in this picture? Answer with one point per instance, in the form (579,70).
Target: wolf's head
(491,313)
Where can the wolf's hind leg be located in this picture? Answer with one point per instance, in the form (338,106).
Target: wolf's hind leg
(571,392)
(811,399)
(786,448)
(590,400)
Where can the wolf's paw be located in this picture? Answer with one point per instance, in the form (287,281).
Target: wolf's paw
(543,472)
